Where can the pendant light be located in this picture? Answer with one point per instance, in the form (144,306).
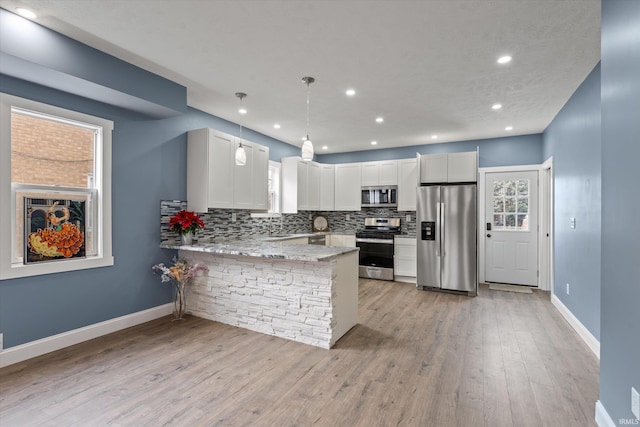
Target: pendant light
(241,155)
(307,145)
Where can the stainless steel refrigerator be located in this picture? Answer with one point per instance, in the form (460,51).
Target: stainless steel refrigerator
(447,238)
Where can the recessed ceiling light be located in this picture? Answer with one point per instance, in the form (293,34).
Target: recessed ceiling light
(26,13)
(496,106)
(324,147)
(509,128)
(434,136)
(242,111)
(504,59)
(276,126)
(379,119)
(350,92)
(374,142)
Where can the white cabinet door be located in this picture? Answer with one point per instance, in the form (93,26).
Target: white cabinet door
(462,167)
(289,187)
(348,186)
(243,181)
(407,183)
(260,177)
(451,167)
(209,170)
(433,168)
(405,257)
(388,174)
(313,186)
(303,179)
(370,173)
(327,187)
(380,173)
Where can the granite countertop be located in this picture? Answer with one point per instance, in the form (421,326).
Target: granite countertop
(269,249)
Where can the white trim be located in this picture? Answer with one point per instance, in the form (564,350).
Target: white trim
(42,346)
(602,416)
(582,331)
(546,209)
(482,172)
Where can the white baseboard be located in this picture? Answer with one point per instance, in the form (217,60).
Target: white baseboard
(602,416)
(32,349)
(584,333)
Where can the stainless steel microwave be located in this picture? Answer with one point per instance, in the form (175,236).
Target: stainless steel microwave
(380,196)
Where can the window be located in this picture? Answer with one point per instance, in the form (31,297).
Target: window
(511,205)
(56,168)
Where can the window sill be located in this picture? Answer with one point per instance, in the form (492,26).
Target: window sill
(21,270)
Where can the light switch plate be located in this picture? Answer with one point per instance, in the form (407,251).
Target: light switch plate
(1,342)
(573,222)
(635,403)
(233,217)
(348,217)
(408,218)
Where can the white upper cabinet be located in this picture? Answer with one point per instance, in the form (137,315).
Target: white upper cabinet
(448,167)
(407,183)
(380,173)
(327,187)
(348,187)
(301,185)
(433,168)
(313,186)
(463,167)
(214,180)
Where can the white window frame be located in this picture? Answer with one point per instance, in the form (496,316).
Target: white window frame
(104,256)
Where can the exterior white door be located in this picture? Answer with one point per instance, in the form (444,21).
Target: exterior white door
(511,227)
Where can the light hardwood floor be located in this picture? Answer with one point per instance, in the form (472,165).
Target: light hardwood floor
(416,358)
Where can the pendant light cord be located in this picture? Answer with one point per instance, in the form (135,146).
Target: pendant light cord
(308,97)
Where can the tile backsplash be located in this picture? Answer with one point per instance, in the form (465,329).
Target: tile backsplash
(219,223)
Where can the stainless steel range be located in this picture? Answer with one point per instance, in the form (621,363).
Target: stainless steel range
(376,247)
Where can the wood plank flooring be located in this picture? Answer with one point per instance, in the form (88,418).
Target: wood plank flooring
(416,358)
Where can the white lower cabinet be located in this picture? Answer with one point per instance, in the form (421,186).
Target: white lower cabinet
(405,265)
(343,240)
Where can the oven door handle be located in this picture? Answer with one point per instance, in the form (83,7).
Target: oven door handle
(383,241)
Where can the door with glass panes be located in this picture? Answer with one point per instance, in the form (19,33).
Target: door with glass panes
(511,227)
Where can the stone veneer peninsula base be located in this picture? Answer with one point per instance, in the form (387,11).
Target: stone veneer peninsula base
(311,301)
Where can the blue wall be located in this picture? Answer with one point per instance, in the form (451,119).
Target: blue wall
(507,151)
(574,141)
(620,343)
(149,164)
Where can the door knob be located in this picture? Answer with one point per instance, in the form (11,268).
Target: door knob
(488,235)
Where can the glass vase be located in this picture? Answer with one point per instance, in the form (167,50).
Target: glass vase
(179,304)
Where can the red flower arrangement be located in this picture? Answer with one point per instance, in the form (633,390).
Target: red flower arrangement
(185,222)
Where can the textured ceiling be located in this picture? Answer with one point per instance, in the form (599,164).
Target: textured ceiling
(428,67)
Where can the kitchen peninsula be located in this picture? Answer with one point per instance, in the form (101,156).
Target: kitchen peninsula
(305,293)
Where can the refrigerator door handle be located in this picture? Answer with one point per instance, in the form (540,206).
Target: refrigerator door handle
(438,237)
(442,236)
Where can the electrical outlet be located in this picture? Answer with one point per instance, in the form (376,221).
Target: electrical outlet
(348,217)
(572,222)
(311,216)
(408,218)
(233,217)
(1,342)
(635,403)
(567,289)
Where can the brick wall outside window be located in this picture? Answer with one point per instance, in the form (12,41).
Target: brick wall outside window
(50,153)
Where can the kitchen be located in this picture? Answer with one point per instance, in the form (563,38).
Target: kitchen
(149,160)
